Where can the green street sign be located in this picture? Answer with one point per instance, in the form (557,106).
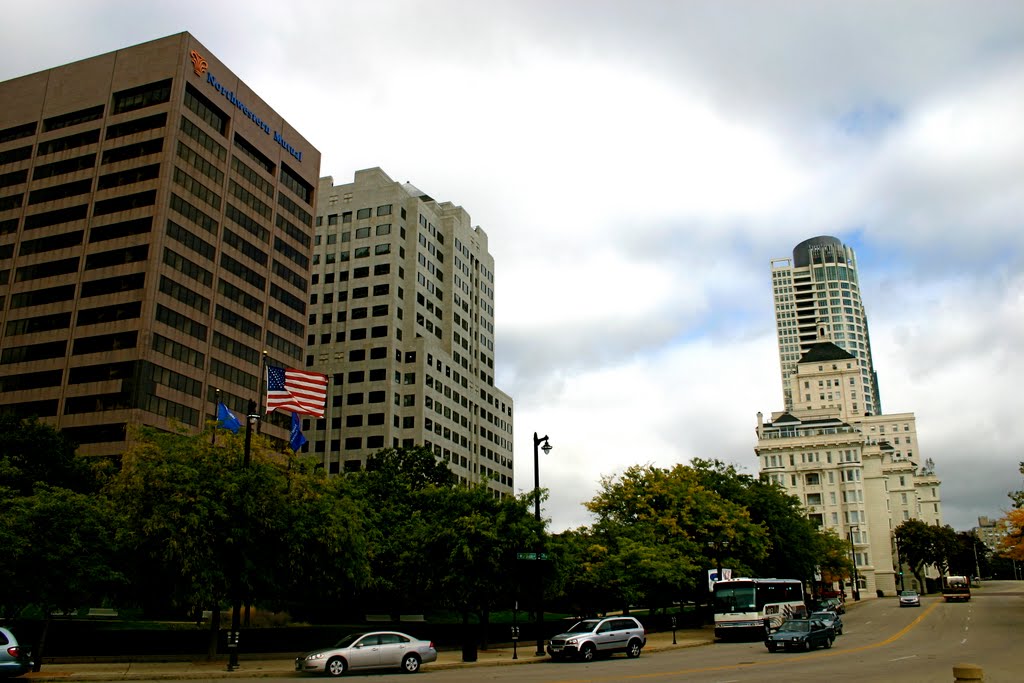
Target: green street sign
(531,556)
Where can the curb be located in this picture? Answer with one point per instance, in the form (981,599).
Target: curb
(281,668)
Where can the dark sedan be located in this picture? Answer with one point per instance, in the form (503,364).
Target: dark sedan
(830,618)
(800,634)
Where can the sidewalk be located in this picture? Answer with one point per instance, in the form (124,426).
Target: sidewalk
(266,666)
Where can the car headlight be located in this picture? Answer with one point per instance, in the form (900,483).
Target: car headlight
(318,655)
(572,641)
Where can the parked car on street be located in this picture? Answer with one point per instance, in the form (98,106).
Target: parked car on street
(910,599)
(800,634)
(832,604)
(366,651)
(14,659)
(591,637)
(830,618)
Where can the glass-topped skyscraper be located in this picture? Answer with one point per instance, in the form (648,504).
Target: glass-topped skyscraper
(817,297)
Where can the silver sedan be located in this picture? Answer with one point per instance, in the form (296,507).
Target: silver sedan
(365,651)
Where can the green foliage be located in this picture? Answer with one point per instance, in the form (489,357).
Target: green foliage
(58,551)
(471,549)
(409,468)
(969,557)
(432,543)
(32,452)
(657,527)
(833,554)
(794,544)
(191,518)
(920,544)
(56,540)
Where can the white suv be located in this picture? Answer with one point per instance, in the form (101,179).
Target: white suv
(592,636)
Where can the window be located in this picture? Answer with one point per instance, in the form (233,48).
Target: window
(142,96)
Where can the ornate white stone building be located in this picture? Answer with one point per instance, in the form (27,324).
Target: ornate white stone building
(858,473)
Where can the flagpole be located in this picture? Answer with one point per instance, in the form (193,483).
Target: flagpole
(251,417)
(263,381)
(216,410)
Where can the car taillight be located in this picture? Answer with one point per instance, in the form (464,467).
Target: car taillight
(432,645)
(14,651)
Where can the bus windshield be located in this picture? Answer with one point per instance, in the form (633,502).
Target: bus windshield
(735,599)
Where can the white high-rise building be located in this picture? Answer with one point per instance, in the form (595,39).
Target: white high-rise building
(856,471)
(816,288)
(401,318)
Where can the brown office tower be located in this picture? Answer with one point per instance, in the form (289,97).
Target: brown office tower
(156,222)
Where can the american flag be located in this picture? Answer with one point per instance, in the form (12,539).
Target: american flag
(296,390)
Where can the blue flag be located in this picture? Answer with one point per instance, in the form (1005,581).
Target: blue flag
(226,419)
(298,439)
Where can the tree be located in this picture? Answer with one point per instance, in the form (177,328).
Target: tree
(1011,545)
(794,544)
(944,548)
(197,529)
(834,561)
(970,557)
(58,549)
(472,545)
(667,524)
(56,535)
(32,452)
(324,559)
(1018,496)
(397,494)
(914,538)
(921,544)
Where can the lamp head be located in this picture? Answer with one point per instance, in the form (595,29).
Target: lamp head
(546,447)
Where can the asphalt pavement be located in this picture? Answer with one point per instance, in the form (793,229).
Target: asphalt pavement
(268,666)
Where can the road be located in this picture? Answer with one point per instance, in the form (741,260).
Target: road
(881,643)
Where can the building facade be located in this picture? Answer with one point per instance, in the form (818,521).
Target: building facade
(857,472)
(402,319)
(156,230)
(819,287)
(989,531)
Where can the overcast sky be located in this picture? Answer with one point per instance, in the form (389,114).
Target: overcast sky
(636,166)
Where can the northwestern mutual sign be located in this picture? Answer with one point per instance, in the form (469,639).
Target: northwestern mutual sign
(199,65)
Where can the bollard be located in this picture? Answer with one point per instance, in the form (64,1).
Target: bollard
(963,673)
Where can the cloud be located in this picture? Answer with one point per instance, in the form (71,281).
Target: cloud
(637,164)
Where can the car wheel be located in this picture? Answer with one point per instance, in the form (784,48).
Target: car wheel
(335,667)
(772,647)
(588,652)
(633,649)
(410,664)
(827,644)
(807,645)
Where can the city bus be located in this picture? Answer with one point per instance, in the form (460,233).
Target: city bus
(742,605)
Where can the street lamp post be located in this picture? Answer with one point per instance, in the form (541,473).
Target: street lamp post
(853,556)
(236,607)
(899,562)
(537,441)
